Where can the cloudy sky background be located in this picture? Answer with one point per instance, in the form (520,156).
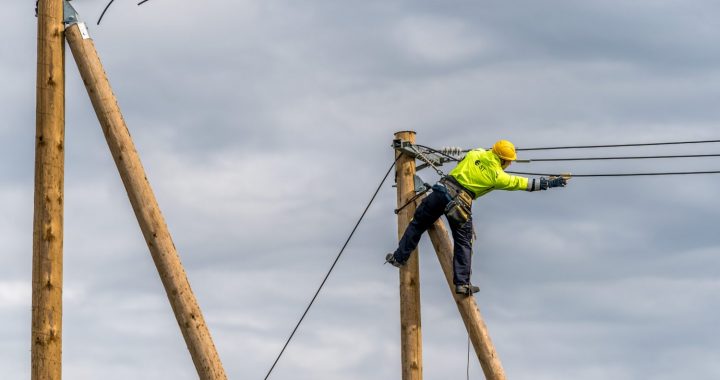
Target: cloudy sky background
(264,127)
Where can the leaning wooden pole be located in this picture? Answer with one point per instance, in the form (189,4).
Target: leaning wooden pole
(47,270)
(469,311)
(410,326)
(183,302)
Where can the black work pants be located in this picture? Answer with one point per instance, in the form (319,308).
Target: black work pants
(430,209)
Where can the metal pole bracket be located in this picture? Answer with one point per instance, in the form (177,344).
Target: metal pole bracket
(428,157)
(70,14)
(72,17)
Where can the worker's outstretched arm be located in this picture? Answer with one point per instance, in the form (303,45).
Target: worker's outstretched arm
(543,183)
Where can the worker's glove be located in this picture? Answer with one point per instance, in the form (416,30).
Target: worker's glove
(543,183)
(552,182)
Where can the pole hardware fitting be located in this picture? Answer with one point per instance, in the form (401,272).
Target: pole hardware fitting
(420,185)
(413,199)
(72,17)
(70,14)
(429,157)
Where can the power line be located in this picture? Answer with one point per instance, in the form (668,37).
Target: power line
(608,145)
(620,158)
(104,10)
(108,6)
(331,268)
(440,152)
(619,174)
(620,145)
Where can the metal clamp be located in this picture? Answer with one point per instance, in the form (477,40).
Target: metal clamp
(72,17)
(429,158)
(70,14)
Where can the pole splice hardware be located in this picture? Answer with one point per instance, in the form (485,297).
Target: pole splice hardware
(72,17)
(70,14)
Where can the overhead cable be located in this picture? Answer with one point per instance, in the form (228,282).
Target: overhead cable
(440,152)
(331,268)
(108,6)
(618,174)
(620,145)
(611,145)
(620,158)
(104,10)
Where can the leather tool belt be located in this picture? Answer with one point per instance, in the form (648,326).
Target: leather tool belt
(459,209)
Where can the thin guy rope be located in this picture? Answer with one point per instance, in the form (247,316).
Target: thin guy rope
(331,268)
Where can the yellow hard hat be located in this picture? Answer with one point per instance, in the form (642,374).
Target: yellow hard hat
(505,150)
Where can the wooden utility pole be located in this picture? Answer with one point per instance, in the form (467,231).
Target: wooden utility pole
(183,302)
(47,273)
(484,349)
(410,326)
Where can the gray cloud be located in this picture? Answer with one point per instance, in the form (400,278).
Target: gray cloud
(264,126)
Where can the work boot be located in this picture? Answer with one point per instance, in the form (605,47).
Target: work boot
(390,259)
(466,289)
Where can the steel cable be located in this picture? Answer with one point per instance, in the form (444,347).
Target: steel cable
(618,174)
(607,158)
(621,158)
(331,268)
(104,10)
(108,6)
(620,145)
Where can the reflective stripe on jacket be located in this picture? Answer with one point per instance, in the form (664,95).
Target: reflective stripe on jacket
(480,172)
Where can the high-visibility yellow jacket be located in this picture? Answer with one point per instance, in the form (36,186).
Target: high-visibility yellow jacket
(480,172)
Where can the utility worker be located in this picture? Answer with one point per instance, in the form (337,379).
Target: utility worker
(477,174)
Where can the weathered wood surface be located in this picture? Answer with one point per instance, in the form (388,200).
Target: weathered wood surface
(157,236)
(467,306)
(410,324)
(47,260)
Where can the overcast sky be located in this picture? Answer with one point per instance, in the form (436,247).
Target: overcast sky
(264,127)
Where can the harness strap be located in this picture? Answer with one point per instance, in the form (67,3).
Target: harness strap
(452,184)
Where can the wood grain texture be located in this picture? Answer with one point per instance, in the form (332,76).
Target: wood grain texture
(469,311)
(152,223)
(410,323)
(47,270)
